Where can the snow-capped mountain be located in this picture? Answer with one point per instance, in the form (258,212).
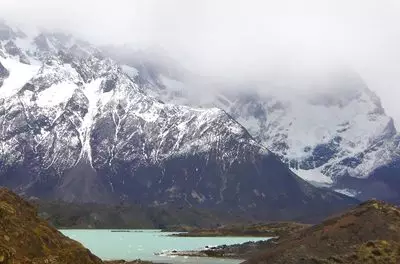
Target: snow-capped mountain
(333,131)
(75,126)
(336,136)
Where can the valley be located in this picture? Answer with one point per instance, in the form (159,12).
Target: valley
(367,233)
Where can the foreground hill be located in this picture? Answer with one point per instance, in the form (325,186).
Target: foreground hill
(369,233)
(26,238)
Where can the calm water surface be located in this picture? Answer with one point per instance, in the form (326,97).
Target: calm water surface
(142,244)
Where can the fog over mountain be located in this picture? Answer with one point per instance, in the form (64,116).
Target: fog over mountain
(241,40)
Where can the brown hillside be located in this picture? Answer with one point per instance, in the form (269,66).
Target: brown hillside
(27,239)
(370,233)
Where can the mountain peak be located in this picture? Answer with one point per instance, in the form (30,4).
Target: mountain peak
(77,127)
(327,126)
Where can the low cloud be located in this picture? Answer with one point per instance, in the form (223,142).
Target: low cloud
(241,39)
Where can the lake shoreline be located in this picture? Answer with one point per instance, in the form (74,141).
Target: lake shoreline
(122,246)
(138,261)
(275,231)
(240,252)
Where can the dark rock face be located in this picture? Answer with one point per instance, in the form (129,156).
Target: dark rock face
(382,183)
(321,154)
(179,181)
(12,49)
(41,43)
(4,73)
(109,84)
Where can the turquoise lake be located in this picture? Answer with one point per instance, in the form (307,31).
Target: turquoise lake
(143,244)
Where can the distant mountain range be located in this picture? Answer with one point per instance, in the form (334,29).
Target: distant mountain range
(78,126)
(332,131)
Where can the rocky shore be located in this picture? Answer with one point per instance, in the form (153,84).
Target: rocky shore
(237,251)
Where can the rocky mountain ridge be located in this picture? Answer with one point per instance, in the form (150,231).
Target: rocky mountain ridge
(75,126)
(333,131)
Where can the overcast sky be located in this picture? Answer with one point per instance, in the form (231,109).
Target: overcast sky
(242,38)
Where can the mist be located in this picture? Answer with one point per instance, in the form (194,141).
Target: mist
(241,40)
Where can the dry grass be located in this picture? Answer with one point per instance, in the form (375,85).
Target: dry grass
(27,239)
(365,234)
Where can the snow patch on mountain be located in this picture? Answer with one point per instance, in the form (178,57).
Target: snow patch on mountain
(20,74)
(92,92)
(56,94)
(314,176)
(348,192)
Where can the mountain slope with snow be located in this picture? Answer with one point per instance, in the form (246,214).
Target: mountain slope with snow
(332,132)
(74,126)
(329,137)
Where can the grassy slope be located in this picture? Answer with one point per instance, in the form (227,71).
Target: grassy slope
(26,238)
(369,233)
